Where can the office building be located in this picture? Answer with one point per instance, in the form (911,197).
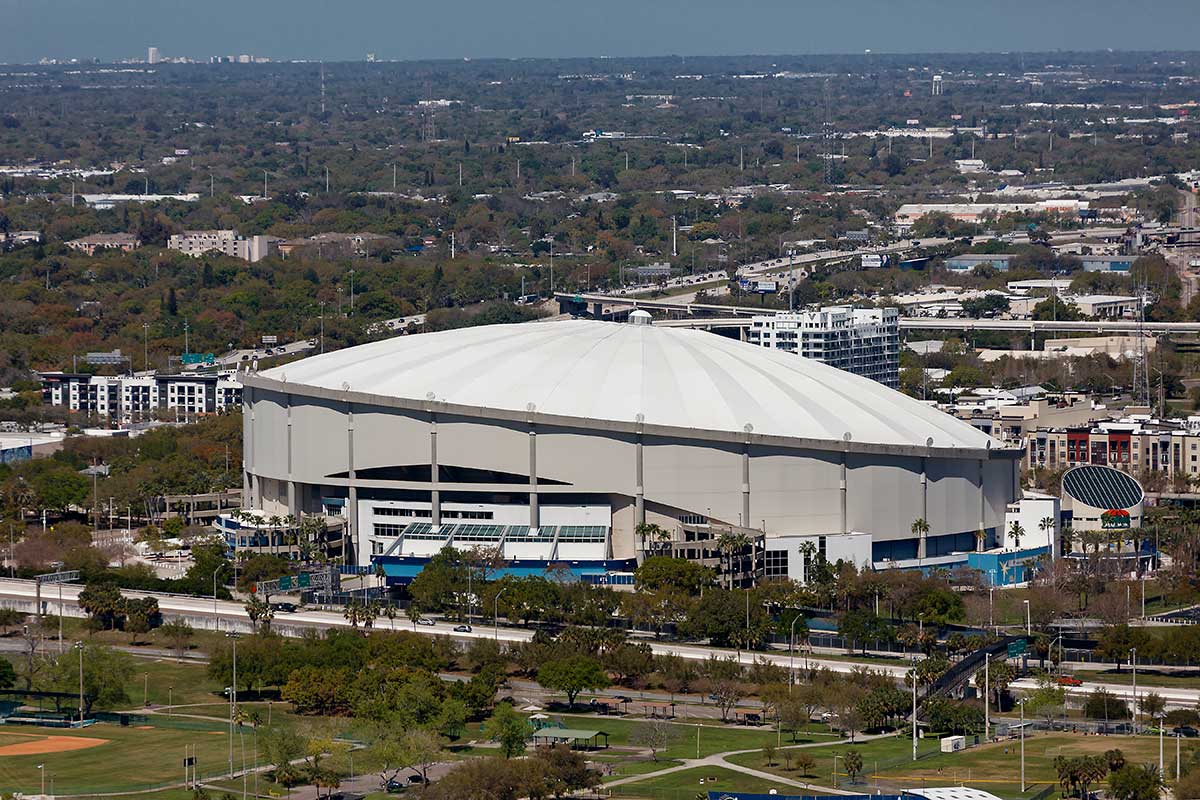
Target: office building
(864,341)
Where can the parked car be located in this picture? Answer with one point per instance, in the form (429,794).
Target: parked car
(1069,680)
(462,628)
(1186,731)
(425,621)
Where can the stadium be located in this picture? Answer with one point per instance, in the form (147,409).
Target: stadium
(563,443)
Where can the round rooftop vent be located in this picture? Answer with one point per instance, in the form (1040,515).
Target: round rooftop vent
(639,317)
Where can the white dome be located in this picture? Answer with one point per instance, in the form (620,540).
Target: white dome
(611,371)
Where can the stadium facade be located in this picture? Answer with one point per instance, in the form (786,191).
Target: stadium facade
(559,443)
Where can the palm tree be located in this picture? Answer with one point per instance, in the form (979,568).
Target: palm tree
(920,530)
(1015,532)
(980,540)
(1046,526)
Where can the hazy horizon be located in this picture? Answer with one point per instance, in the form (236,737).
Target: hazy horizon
(453,29)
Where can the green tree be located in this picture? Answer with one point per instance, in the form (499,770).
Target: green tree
(8,674)
(1135,782)
(106,674)
(853,763)
(572,675)
(1103,704)
(509,729)
(103,604)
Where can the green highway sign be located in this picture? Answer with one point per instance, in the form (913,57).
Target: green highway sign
(1016,649)
(303,580)
(285,583)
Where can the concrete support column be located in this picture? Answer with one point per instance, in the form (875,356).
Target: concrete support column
(352,534)
(982,497)
(639,489)
(247,448)
(435,496)
(292,505)
(842,490)
(923,542)
(535,515)
(745,521)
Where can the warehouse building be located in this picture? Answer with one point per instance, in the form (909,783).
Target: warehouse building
(556,443)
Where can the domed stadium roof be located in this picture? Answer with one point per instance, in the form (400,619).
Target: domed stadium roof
(611,371)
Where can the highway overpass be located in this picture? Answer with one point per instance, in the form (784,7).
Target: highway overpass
(691,315)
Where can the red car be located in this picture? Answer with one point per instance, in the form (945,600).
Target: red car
(1069,680)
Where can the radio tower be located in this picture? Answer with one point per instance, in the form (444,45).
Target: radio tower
(322,87)
(1141,366)
(828,136)
(428,130)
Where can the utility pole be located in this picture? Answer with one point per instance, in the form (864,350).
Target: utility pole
(451,245)
(327,180)
(394,176)
(459,173)
(674,238)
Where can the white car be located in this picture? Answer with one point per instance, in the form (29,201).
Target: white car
(426,621)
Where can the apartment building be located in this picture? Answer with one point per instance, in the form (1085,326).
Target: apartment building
(226,242)
(864,341)
(1132,444)
(124,242)
(131,398)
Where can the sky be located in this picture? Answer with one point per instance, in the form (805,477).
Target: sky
(409,30)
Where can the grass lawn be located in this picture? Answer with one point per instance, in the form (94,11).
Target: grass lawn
(1189,679)
(713,738)
(624,768)
(685,784)
(994,767)
(128,758)
(998,764)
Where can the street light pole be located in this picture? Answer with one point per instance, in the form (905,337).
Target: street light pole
(79,647)
(496,614)
(1133,663)
(792,652)
(1028,626)
(1022,703)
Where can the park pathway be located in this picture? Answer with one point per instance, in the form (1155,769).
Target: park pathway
(720,760)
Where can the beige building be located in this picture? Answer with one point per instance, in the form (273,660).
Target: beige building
(105,241)
(226,242)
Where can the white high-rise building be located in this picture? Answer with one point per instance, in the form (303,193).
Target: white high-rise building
(152,56)
(864,341)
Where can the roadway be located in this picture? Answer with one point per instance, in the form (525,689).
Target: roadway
(933,323)
(231,615)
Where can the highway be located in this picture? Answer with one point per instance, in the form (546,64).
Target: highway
(934,323)
(231,616)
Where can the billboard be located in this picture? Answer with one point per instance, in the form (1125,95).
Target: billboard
(766,287)
(874,261)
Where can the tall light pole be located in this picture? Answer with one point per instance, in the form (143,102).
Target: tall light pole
(913,676)
(146,345)
(216,572)
(1022,704)
(496,614)
(792,652)
(42,773)
(233,637)
(1028,626)
(1133,664)
(79,647)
